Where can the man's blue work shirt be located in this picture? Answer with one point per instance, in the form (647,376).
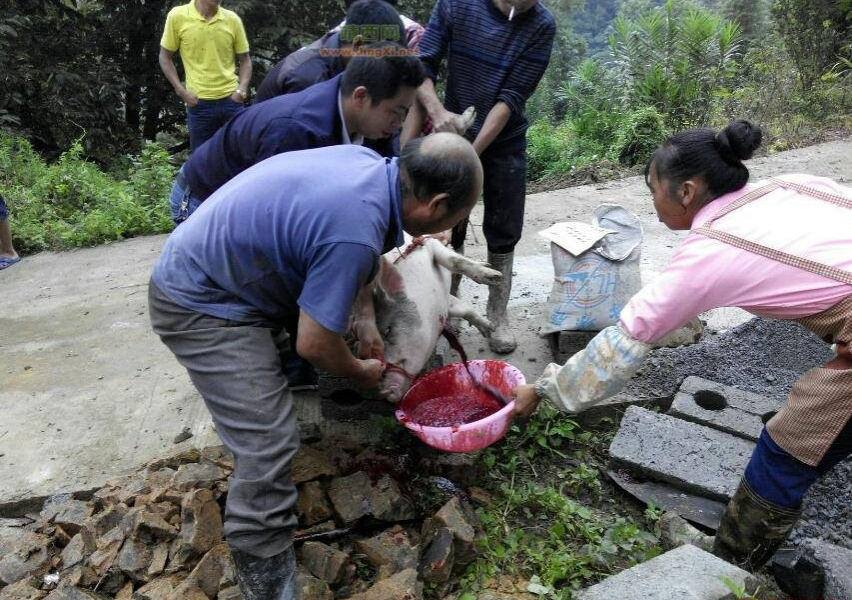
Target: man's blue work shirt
(310,119)
(299,230)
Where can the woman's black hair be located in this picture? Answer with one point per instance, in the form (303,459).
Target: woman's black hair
(716,156)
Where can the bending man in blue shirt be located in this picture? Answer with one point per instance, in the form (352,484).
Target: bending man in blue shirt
(298,234)
(494,64)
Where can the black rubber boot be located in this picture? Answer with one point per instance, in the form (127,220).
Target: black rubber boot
(272,578)
(752,529)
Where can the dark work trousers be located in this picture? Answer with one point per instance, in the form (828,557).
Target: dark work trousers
(504,191)
(778,476)
(237,369)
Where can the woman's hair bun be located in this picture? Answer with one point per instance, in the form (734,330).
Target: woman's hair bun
(738,141)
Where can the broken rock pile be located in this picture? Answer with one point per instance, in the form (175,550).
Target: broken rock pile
(157,534)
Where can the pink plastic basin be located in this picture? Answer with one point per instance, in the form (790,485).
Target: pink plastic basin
(452,380)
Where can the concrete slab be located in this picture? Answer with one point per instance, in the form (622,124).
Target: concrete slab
(685,573)
(836,563)
(88,390)
(691,457)
(691,507)
(723,407)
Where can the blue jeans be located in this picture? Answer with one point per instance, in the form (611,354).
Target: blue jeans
(181,201)
(779,477)
(205,118)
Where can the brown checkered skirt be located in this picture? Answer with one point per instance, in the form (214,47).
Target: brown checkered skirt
(820,402)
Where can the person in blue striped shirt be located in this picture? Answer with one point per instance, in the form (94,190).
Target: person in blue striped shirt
(497,52)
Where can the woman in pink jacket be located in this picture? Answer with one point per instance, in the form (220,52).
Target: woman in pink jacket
(779,248)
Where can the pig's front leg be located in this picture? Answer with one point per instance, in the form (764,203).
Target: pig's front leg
(363,325)
(461,310)
(457,263)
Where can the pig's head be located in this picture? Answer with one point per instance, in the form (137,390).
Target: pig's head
(408,328)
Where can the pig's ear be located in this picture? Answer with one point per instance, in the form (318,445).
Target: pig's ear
(390,282)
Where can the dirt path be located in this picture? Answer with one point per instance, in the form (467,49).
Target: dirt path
(88,391)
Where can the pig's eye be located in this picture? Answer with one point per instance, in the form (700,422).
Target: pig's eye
(386,332)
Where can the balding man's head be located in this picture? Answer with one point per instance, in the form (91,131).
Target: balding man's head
(441,179)
(443,163)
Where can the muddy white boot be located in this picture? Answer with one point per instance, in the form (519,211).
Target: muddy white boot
(502,340)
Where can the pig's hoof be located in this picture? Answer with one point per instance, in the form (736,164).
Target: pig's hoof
(502,340)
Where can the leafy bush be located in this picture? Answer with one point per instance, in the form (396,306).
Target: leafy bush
(676,58)
(545,148)
(639,134)
(73,203)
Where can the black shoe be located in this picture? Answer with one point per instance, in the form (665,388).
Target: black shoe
(272,578)
(300,374)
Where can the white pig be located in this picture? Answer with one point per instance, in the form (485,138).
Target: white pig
(411,304)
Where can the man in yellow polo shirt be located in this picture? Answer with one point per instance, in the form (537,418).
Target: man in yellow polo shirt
(208,37)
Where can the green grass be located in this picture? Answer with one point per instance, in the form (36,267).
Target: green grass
(549,524)
(73,202)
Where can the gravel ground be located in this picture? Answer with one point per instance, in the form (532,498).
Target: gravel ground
(765,357)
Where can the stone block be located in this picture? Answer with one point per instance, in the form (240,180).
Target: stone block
(197,475)
(312,504)
(387,502)
(390,551)
(201,527)
(125,593)
(350,496)
(22,590)
(207,574)
(723,407)
(80,576)
(836,563)
(149,526)
(233,593)
(403,585)
(68,592)
(691,457)
(457,516)
(102,522)
(311,463)
(436,564)
(75,552)
(159,557)
(219,456)
(310,587)
(67,513)
(22,553)
(175,459)
(161,588)
(685,572)
(323,561)
(134,560)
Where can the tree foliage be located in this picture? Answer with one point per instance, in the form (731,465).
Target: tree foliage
(675,58)
(816,34)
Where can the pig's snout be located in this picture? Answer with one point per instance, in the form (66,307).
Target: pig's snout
(394,385)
